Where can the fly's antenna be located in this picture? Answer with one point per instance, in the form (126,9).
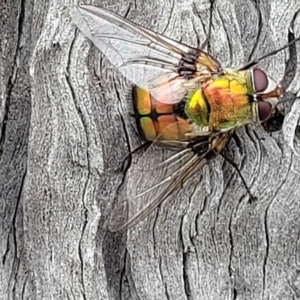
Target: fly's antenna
(255,62)
(287,100)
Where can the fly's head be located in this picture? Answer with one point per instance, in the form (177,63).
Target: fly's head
(266,94)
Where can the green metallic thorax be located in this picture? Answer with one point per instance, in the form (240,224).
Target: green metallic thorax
(222,102)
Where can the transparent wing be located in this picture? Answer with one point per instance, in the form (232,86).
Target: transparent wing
(146,58)
(158,174)
(149,185)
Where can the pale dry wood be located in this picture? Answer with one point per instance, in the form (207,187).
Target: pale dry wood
(58,185)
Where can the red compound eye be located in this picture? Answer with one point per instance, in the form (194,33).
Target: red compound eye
(264,110)
(260,80)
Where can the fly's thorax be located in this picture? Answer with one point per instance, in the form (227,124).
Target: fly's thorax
(222,103)
(157,121)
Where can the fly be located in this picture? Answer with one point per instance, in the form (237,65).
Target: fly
(182,98)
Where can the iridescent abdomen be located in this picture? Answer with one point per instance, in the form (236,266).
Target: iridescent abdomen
(157,120)
(222,103)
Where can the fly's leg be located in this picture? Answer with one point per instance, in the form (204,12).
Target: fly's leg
(205,147)
(235,166)
(207,40)
(128,156)
(211,147)
(256,61)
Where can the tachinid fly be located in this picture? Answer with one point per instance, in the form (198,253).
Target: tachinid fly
(182,98)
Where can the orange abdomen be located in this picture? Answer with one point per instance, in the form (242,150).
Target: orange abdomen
(157,120)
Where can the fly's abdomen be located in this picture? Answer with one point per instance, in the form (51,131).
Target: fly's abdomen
(157,120)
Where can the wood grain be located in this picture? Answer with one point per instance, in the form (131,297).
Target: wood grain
(66,127)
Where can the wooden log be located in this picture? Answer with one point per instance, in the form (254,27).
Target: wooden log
(66,128)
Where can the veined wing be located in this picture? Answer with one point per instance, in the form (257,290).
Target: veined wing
(157,183)
(146,58)
(154,185)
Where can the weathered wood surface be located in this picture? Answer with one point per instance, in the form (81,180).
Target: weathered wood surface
(65,129)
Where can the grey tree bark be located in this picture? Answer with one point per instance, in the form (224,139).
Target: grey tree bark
(66,127)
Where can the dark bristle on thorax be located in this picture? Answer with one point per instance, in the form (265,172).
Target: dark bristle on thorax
(179,109)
